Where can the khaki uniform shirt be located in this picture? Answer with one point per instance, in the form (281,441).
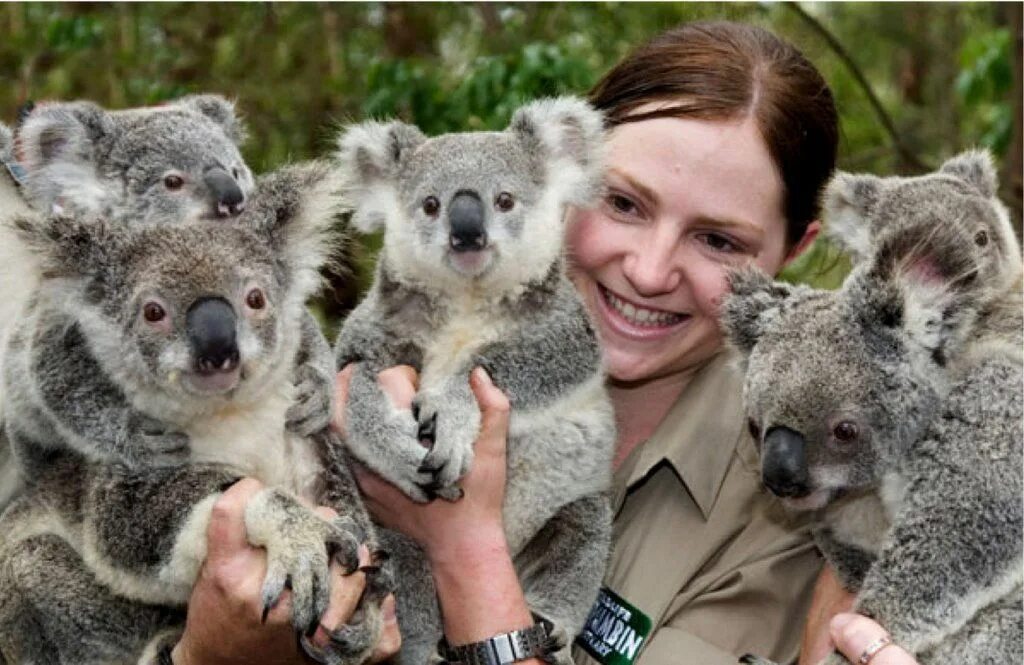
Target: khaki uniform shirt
(698,546)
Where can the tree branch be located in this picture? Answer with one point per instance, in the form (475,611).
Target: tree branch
(890,128)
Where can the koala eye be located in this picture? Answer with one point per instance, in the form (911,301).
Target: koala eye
(153,312)
(754,430)
(981,238)
(173,181)
(504,202)
(431,205)
(845,432)
(255,299)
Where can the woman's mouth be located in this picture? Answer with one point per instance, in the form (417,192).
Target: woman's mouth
(636,320)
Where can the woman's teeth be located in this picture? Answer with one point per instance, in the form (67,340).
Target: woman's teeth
(640,316)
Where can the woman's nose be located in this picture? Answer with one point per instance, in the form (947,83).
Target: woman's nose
(652,268)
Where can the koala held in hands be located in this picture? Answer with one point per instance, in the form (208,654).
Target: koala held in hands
(894,407)
(472,274)
(167,164)
(193,328)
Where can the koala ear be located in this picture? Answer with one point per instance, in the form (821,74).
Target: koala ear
(848,203)
(296,207)
(568,135)
(976,168)
(753,302)
(57,145)
(369,155)
(220,110)
(68,246)
(6,144)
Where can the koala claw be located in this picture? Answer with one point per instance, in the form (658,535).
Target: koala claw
(311,411)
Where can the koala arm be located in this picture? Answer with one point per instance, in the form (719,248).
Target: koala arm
(91,413)
(956,542)
(314,380)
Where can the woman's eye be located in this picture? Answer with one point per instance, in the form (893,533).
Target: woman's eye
(621,204)
(720,243)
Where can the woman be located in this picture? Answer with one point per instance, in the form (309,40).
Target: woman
(721,138)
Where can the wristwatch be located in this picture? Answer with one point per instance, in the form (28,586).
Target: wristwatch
(502,649)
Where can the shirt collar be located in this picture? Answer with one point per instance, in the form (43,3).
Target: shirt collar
(699,435)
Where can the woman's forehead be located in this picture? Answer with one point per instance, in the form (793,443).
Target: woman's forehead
(701,168)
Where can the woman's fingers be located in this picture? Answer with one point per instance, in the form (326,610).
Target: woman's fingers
(399,383)
(390,639)
(346,590)
(863,641)
(494,413)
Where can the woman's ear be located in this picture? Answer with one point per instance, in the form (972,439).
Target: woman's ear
(805,241)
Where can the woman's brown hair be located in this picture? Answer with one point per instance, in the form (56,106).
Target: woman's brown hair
(722,71)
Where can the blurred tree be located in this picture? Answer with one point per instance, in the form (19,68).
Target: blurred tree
(946,75)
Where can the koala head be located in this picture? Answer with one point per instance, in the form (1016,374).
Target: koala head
(190,315)
(840,383)
(485,207)
(162,164)
(863,210)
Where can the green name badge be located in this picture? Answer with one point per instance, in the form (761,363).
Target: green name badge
(614,631)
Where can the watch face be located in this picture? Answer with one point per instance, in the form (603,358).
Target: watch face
(503,649)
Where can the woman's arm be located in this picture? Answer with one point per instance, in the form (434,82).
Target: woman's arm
(464,541)
(830,599)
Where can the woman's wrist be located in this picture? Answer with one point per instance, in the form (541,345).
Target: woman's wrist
(478,588)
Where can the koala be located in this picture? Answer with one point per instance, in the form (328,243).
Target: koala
(161,165)
(193,328)
(472,273)
(893,406)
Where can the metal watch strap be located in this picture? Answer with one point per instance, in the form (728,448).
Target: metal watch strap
(503,649)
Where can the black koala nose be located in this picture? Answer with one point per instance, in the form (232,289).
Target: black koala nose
(228,198)
(210,325)
(784,463)
(466,222)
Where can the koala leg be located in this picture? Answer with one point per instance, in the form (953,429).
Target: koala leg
(450,417)
(314,381)
(53,611)
(383,437)
(419,617)
(994,636)
(561,568)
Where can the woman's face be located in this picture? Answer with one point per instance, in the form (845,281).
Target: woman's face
(686,201)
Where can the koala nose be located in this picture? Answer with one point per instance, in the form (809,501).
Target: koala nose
(784,463)
(228,198)
(466,222)
(210,325)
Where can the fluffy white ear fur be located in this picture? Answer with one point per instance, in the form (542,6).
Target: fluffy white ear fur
(219,109)
(55,145)
(368,156)
(976,168)
(847,202)
(570,132)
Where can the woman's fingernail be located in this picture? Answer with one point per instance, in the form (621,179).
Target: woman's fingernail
(840,621)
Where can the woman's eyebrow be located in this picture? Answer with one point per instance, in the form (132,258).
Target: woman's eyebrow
(643,190)
(733,223)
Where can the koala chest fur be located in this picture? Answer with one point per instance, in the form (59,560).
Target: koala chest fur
(253,440)
(471,325)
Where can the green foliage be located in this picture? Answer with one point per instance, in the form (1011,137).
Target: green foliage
(984,85)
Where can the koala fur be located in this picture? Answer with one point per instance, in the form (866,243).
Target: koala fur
(160,165)
(472,274)
(894,406)
(193,328)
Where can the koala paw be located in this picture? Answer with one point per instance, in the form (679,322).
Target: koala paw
(449,433)
(311,411)
(299,543)
(389,447)
(352,643)
(153,443)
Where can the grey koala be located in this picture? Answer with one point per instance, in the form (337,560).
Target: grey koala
(894,406)
(194,327)
(472,274)
(161,165)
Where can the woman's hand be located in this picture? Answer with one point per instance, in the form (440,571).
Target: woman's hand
(444,529)
(854,635)
(830,599)
(224,623)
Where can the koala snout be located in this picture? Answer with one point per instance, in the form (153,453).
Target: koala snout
(784,463)
(210,324)
(466,219)
(228,197)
